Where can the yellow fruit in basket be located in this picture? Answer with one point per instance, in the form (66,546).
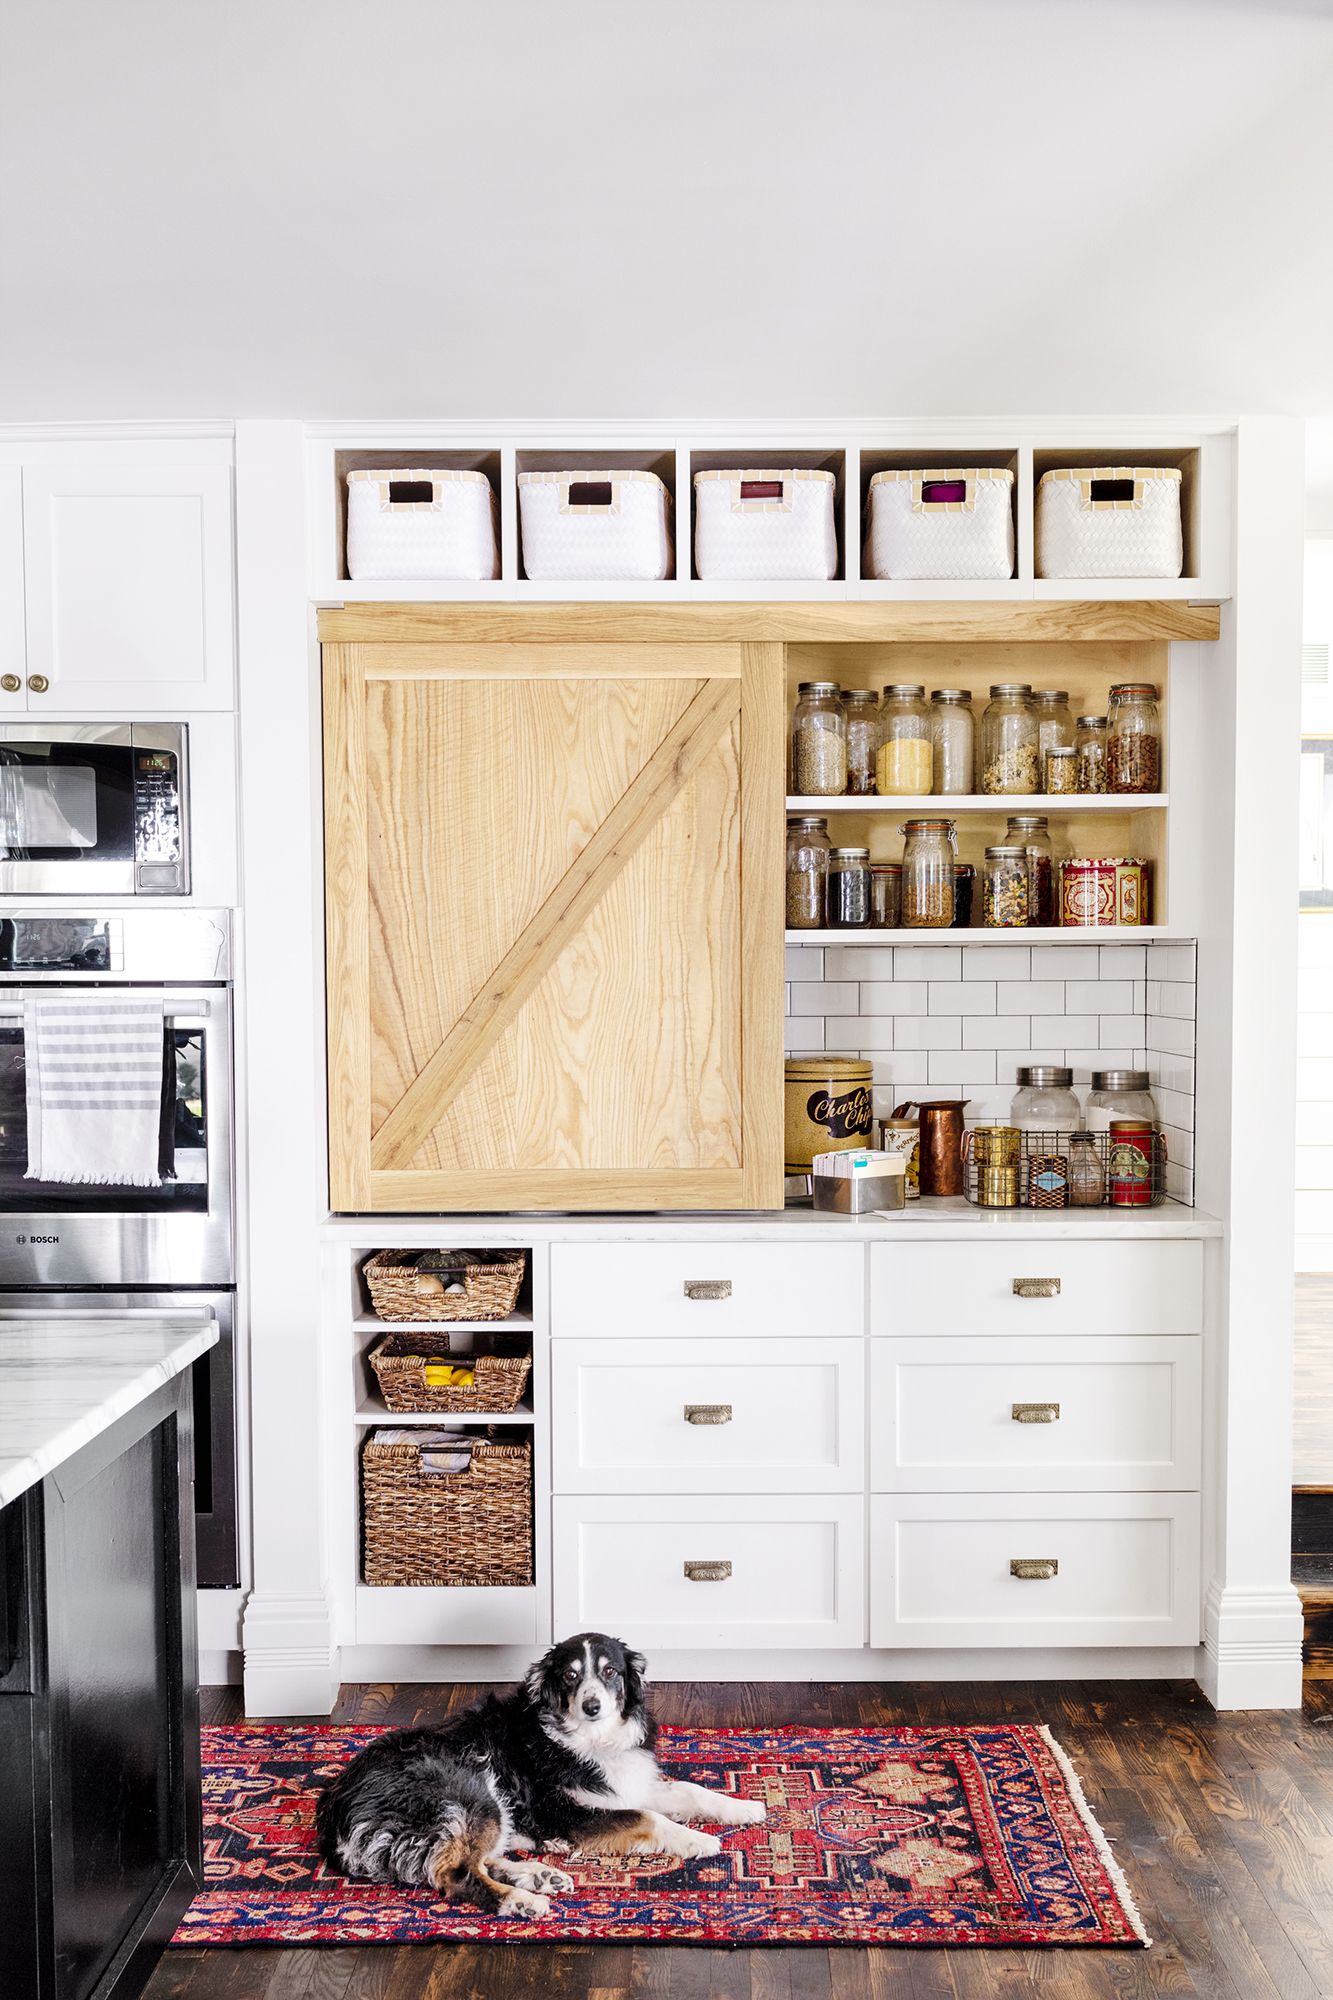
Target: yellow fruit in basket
(464,1378)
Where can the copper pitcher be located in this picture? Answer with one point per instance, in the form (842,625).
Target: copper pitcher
(941,1143)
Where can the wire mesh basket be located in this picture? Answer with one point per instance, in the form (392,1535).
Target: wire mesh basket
(1064,1170)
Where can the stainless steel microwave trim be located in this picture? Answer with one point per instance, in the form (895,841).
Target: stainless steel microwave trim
(106,878)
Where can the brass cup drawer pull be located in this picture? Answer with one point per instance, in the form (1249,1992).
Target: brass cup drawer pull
(708,1288)
(708,1572)
(708,1413)
(1035,1413)
(1034,1569)
(1036,1288)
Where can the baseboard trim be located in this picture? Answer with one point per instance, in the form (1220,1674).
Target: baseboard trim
(291,1662)
(1252,1644)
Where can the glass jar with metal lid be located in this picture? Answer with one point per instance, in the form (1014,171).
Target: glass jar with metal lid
(818,741)
(953,740)
(1004,898)
(1090,745)
(848,888)
(861,708)
(1134,739)
(886,895)
(1009,739)
(1118,1093)
(929,855)
(1055,725)
(807,872)
(1045,1100)
(904,759)
(1034,831)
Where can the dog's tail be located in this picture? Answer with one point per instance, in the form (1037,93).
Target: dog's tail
(443,1843)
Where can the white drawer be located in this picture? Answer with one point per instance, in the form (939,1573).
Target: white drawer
(965,1416)
(1127,1569)
(1126,1287)
(708,1416)
(605,1290)
(795,1570)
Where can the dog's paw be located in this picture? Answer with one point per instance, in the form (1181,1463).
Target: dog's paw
(543,1880)
(691,1845)
(745,1812)
(523,1903)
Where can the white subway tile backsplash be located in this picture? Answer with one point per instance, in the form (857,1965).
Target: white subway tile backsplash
(1104,996)
(1177,999)
(920,1031)
(1122,961)
(1170,1037)
(804,961)
(960,1066)
(1118,1030)
(1172,961)
(1064,961)
(804,1038)
(859,961)
(829,996)
(997,961)
(906,1071)
(1030,996)
(997,1031)
(897,996)
(868,1034)
(1068,1031)
(911,961)
(1113,1058)
(962,996)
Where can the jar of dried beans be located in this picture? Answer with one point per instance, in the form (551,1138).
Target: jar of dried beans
(861,708)
(818,741)
(1134,739)
(807,873)
(1009,760)
(928,863)
(1090,746)
(1004,899)
(952,737)
(1032,831)
(903,764)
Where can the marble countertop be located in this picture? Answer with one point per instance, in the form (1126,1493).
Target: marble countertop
(65,1378)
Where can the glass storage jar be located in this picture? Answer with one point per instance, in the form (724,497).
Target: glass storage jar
(1004,901)
(1134,739)
(1059,771)
(1009,761)
(928,865)
(807,872)
(1118,1093)
(953,740)
(848,888)
(1034,832)
(1055,725)
(904,760)
(964,879)
(1090,745)
(818,741)
(1087,1176)
(1045,1100)
(861,708)
(886,895)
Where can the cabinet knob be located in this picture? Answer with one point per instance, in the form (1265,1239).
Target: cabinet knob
(1034,1569)
(708,1288)
(1036,1288)
(1035,1413)
(11,683)
(38,683)
(708,1572)
(708,1413)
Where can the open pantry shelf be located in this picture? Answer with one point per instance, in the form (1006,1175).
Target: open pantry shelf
(1018,934)
(950,804)
(373,1411)
(367,1322)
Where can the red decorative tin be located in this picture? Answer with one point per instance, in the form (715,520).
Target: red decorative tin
(1104,890)
(1129,1173)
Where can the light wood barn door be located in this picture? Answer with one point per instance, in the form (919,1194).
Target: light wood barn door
(554,885)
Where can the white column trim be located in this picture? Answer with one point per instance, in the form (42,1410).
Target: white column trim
(1251,1651)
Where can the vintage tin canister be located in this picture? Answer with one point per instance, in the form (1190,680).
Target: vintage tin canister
(829,1107)
(1103,890)
(1129,1172)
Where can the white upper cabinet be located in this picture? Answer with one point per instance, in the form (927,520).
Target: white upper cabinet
(128,588)
(13,654)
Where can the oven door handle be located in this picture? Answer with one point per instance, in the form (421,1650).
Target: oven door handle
(195,1012)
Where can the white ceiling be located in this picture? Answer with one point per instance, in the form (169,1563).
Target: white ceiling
(619,208)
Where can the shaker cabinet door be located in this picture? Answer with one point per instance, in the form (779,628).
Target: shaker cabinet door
(554,883)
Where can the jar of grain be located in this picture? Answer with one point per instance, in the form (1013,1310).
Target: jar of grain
(1033,832)
(861,708)
(1055,725)
(1134,739)
(952,740)
(1090,745)
(903,765)
(818,741)
(807,872)
(1060,770)
(886,895)
(849,888)
(1009,761)
(929,856)
(1005,887)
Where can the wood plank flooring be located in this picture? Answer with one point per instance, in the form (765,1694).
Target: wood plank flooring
(1224,1825)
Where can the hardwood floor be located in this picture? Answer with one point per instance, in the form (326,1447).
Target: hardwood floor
(1224,1825)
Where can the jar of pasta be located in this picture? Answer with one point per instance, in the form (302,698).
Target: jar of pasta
(905,759)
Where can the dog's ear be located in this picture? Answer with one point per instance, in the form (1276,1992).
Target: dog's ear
(635,1674)
(537,1680)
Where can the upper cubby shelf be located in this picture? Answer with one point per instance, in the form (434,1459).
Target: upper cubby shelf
(838,462)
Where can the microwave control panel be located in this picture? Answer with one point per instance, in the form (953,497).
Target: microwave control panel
(159,849)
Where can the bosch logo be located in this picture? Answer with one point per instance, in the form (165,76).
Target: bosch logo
(36,1239)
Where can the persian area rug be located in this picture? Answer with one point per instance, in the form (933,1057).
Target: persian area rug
(874,1836)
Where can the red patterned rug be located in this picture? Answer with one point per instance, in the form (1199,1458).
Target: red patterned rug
(873,1836)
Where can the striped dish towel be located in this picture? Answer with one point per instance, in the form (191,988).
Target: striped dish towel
(94,1087)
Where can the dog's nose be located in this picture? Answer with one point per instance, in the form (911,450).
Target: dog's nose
(592,1704)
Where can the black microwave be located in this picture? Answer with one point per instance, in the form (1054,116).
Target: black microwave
(94,809)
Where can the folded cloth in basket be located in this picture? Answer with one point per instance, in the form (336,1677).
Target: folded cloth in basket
(441,1451)
(94,1089)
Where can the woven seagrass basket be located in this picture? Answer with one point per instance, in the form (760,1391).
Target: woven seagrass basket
(413,1284)
(446,1528)
(401,1362)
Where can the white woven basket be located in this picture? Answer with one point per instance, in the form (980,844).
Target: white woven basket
(952,523)
(757,526)
(421,522)
(595,527)
(1110,520)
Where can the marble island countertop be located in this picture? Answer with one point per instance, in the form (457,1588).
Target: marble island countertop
(66,1378)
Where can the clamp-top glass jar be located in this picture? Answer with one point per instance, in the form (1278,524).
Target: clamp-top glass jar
(929,855)
(818,741)
(903,762)
(1134,739)
(861,708)
(1009,739)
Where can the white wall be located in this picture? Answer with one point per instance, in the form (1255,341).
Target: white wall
(739,209)
(1314,991)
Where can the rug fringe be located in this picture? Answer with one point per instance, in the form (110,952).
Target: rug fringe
(1102,1844)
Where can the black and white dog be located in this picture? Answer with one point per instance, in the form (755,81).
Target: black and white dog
(566,1760)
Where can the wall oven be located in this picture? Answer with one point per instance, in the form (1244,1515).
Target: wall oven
(94,809)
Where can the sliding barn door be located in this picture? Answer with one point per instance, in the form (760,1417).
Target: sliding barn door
(554,925)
